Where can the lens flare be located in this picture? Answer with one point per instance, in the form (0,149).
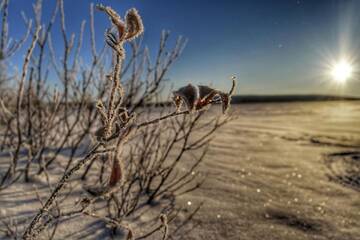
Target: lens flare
(342,71)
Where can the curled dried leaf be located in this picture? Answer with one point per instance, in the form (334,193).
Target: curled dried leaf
(225,101)
(189,94)
(115,44)
(205,91)
(110,38)
(134,25)
(115,19)
(198,97)
(130,235)
(207,94)
(128,30)
(116,173)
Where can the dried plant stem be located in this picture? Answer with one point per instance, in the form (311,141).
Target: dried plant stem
(150,170)
(112,108)
(29,234)
(92,32)
(4,29)
(29,52)
(173,114)
(156,229)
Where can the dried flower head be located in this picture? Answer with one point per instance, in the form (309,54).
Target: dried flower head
(198,97)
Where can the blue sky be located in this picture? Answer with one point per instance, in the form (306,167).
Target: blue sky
(274,47)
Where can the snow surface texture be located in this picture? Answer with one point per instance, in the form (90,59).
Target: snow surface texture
(278,171)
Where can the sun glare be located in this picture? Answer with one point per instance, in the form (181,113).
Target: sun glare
(341,71)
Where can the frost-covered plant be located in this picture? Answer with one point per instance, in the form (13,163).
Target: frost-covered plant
(138,155)
(198,97)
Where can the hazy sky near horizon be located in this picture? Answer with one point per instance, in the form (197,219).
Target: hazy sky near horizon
(274,47)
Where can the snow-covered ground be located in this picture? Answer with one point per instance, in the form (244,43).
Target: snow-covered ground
(277,171)
(283,171)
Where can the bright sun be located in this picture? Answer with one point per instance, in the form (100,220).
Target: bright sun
(341,71)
